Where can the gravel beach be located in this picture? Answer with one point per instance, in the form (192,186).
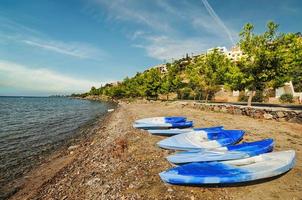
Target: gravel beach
(120,162)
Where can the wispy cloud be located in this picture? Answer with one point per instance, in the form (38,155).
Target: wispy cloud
(75,49)
(167,29)
(131,11)
(166,48)
(16,32)
(218,20)
(18,76)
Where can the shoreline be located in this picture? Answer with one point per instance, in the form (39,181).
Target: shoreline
(118,161)
(55,161)
(55,158)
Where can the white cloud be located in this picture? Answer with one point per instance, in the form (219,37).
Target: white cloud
(16,32)
(75,49)
(131,11)
(218,20)
(18,76)
(172,28)
(165,48)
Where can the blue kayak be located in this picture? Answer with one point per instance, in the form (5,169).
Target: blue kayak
(161,120)
(230,152)
(176,131)
(186,124)
(198,140)
(234,171)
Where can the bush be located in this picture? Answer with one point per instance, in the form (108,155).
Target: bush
(286,98)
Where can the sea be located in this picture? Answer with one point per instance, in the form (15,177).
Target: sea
(33,127)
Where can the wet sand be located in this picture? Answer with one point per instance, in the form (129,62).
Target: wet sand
(120,162)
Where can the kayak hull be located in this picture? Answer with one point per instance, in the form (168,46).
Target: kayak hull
(228,172)
(198,140)
(231,152)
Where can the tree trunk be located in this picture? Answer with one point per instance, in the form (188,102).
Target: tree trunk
(199,98)
(251,94)
(207,96)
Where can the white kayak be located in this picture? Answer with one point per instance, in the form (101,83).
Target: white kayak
(230,152)
(161,120)
(198,140)
(176,131)
(235,171)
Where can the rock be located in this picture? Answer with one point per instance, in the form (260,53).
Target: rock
(73,147)
(170,190)
(224,109)
(268,116)
(280,114)
(216,108)
(93,181)
(237,111)
(295,120)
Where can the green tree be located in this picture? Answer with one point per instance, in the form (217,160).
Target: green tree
(208,73)
(262,63)
(152,83)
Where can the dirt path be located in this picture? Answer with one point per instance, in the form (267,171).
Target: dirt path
(120,162)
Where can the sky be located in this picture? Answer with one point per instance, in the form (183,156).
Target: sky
(61,47)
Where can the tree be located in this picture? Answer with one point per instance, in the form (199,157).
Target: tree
(208,73)
(171,82)
(152,83)
(262,63)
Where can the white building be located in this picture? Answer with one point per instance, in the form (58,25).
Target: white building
(162,68)
(288,88)
(219,49)
(235,53)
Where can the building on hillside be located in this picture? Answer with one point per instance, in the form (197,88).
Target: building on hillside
(235,53)
(288,88)
(162,68)
(219,49)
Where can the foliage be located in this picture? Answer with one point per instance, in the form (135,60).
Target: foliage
(270,59)
(264,62)
(286,98)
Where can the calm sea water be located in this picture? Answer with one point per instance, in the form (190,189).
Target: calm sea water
(31,127)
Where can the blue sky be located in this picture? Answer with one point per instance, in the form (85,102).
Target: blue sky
(60,47)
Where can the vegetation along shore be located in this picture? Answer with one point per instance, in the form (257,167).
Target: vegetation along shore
(268,61)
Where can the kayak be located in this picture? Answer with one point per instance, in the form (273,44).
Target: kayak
(186,124)
(160,120)
(230,152)
(176,131)
(234,171)
(198,140)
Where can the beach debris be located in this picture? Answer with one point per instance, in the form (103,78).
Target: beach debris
(73,147)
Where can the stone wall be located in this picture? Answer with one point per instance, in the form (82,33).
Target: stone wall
(278,114)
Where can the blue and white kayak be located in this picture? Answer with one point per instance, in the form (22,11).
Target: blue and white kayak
(198,140)
(230,152)
(161,120)
(176,131)
(186,124)
(234,171)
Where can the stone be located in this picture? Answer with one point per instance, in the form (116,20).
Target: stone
(258,114)
(93,181)
(170,190)
(268,116)
(73,147)
(216,108)
(224,109)
(280,114)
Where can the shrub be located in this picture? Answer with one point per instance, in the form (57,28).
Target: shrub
(286,98)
